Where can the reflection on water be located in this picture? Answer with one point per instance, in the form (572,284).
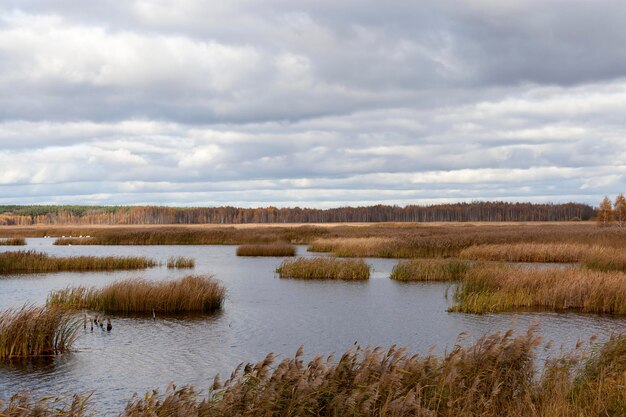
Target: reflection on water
(262,314)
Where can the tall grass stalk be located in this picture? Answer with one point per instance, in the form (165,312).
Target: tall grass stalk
(36,331)
(324,268)
(501,288)
(188,294)
(430,270)
(275,249)
(33,262)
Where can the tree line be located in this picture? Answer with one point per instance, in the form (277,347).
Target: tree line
(459,212)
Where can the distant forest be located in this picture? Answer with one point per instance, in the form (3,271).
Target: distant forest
(461,212)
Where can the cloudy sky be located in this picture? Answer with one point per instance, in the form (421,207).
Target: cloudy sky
(311,102)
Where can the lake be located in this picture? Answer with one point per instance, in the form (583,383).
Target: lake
(262,314)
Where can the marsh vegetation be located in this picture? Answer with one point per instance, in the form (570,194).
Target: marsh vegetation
(496,376)
(36,262)
(35,332)
(430,270)
(188,294)
(16,241)
(496,288)
(324,268)
(272,249)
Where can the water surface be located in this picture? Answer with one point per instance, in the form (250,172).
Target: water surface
(262,314)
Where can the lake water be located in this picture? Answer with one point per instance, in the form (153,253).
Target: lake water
(262,314)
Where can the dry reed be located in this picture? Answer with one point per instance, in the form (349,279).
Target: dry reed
(429,270)
(505,288)
(34,262)
(376,247)
(188,294)
(496,376)
(17,241)
(276,249)
(180,262)
(324,268)
(527,252)
(605,259)
(36,331)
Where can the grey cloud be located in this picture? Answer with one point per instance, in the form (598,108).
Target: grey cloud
(311,102)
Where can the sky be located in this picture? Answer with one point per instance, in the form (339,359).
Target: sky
(311,102)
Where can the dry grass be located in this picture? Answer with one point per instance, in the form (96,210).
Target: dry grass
(505,288)
(527,252)
(196,236)
(36,331)
(495,377)
(324,268)
(17,241)
(605,259)
(276,249)
(22,404)
(34,262)
(430,270)
(180,262)
(376,247)
(188,294)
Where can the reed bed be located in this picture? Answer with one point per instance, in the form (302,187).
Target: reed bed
(180,262)
(376,247)
(605,259)
(527,252)
(188,294)
(430,270)
(276,249)
(506,288)
(36,331)
(165,235)
(324,268)
(496,376)
(17,241)
(35,262)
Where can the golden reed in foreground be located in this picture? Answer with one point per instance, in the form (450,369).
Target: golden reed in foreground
(505,288)
(495,377)
(188,294)
(36,331)
(324,268)
(33,262)
(430,270)
(273,249)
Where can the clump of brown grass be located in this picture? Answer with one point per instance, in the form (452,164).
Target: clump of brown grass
(274,249)
(527,252)
(180,262)
(376,247)
(36,331)
(18,241)
(501,288)
(324,268)
(430,270)
(34,262)
(188,294)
